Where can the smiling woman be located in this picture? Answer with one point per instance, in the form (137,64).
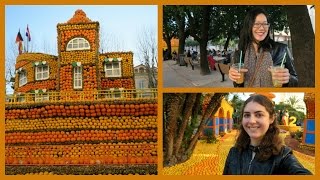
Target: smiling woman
(259,148)
(259,53)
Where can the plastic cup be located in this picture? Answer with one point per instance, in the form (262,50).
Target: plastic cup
(238,66)
(275,82)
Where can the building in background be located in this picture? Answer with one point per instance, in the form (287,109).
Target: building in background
(142,77)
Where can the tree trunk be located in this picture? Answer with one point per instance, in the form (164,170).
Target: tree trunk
(180,18)
(204,41)
(204,65)
(186,114)
(168,42)
(173,113)
(303,43)
(174,154)
(182,39)
(227,43)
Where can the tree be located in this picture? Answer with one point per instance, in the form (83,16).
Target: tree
(293,106)
(237,105)
(109,42)
(169,26)
(10,60)
(295,103)
(199,22)
(303,43)
(180,18)
(181,128)
(148,53)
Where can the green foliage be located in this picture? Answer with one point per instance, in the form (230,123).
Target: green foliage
(237,105)
(235,126)
(191,43)
(298,135)
(224,21)
(210,138)
(290,105)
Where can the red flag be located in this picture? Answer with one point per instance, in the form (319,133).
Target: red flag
(19,37)
(28,34)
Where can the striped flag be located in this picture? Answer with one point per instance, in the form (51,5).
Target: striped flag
(19,37)
(28,34)
(19,40)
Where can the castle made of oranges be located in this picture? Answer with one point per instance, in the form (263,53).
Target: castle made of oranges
(78,67)
(78,112)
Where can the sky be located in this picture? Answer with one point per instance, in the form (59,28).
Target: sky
(120,24)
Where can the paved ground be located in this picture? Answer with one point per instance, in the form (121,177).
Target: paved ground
(175,75)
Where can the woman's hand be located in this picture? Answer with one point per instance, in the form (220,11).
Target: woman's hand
(281,75)
(234,75)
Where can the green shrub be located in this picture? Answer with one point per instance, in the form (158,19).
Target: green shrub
(235,126)
(210,138)
(298,135)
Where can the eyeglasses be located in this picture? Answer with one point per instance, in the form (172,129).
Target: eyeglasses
(258,25)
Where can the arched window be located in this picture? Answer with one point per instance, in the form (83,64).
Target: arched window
(78,44)
(141,70)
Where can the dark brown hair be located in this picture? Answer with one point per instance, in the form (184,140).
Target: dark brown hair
(271,143)
(246,36)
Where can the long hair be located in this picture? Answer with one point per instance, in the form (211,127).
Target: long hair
(271,143)
(246,36)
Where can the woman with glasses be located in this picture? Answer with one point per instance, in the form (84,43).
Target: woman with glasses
(260,53)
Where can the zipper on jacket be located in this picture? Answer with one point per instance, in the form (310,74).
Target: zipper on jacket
(250,163)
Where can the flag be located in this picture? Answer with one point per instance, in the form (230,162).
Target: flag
(19,40)
(19,37)
(28,34)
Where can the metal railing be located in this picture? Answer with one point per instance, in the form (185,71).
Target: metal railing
(82,96)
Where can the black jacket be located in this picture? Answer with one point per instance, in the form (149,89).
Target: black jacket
(283,164)
(277,52)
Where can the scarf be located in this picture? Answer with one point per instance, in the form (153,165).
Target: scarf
(258,74)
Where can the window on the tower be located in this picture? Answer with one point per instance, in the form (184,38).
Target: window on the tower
(113,69)
(22,78)
(77,77)
(42,72)
(78,44)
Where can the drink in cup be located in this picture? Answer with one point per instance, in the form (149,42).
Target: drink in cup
(275,82)
(238,67)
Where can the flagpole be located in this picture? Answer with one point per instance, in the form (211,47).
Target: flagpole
(27,49)
(27,45)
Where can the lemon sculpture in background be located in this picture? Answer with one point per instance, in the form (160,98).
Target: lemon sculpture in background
(292,121)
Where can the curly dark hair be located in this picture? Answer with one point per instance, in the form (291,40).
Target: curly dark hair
(246,36)
(271,143)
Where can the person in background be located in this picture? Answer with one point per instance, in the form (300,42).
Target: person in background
(259,148)
(174,55)
(211,61)
(260,53)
